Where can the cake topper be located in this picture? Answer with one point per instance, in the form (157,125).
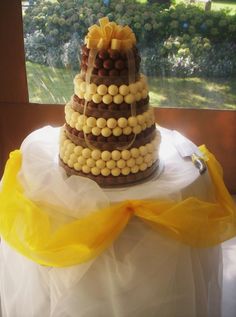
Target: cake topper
(110,35)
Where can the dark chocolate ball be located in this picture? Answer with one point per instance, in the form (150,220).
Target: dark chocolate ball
(102,72)
(81,134)
(112,106)
(124,72)
(122,138)
(95,71)
(101,138)
(108,64)
(102,106)
(98,63)
(111,138)
(114,54)
(114,72)
(119,64)
(103,54)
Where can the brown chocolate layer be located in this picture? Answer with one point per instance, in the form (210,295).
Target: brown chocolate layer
(110,80)
(110,143)
(114,181)
(102,110)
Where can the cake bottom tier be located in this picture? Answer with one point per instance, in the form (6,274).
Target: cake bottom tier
(115,181)
(119,167)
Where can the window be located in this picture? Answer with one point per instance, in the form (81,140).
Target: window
(187,53)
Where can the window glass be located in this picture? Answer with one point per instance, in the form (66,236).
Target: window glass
(188,50)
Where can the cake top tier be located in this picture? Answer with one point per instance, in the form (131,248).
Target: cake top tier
(110,35)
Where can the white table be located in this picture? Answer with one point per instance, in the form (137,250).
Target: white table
(141,274)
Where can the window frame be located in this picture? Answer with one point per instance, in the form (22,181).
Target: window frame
(18,117)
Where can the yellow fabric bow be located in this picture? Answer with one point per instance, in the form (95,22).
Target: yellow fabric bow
(35,230)
(109,35)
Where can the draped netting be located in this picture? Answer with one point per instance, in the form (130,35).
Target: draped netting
(45,233)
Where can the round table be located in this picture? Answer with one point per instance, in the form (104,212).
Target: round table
(142,274)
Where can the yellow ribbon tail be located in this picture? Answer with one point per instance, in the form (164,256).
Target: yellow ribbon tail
(193,221)
(28,228)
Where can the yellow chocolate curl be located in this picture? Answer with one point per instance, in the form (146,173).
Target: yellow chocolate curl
(35,230)
(109,35)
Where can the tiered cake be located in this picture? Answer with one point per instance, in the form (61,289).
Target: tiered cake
(110,134)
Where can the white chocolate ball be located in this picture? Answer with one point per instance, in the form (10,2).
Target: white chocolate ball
(134,152)
(97,98)
(138,96)
(75,116)
(80,94)
(137,129)
(125,154)
(79,126)
(86,169)
(143,150)
(95,170)
(139,160)
(92,88)
(150,148)
(111,123)
(144,93)
(116,155)
(82,86)
(77,166)
(86,153)
(140,119)
(70,163)
(105,171)
(91,122)
(87,129)
(100,164)
(129,98)
(106,132)
(106,155)
(130,162)
(133,88)
(111,164)
(73,158)
(127,130)
(140,85)
(107,99)
(117,131)
(96,154)
(143,167)
(96,131)
(132,121)
(101,123)
(115,171)
(82,119)
(125,171)
(122,122)
(78,150)
(90,162)
(70,147)
(124,90)
(87,96)
(121,163)
(113,90)
(81,160)
(102,90)
(118,99)
(134,169)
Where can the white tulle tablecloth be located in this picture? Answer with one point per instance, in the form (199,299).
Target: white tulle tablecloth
(141,274)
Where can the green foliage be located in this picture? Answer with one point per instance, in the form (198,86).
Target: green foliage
(62,25)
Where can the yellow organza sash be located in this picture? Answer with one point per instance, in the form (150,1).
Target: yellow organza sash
(33,230)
